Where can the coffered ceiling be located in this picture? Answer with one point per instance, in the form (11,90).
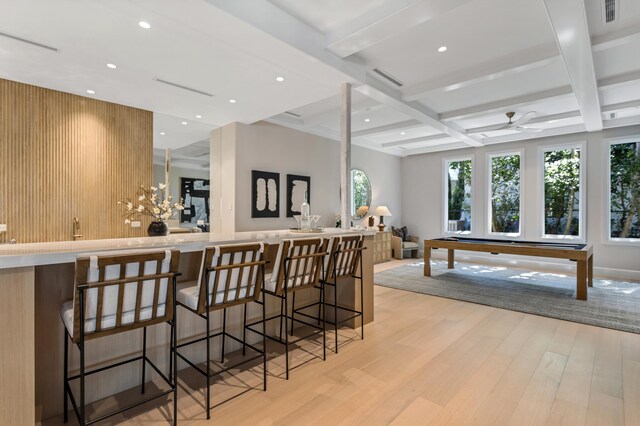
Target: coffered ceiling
(557,58)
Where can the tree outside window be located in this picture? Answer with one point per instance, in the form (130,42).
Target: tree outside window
(505,194)
(562,192)
(459,195)
(625,190)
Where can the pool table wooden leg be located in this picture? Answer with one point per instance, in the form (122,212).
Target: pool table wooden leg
(590,272)
(427,261)
(581,277)
(451,258)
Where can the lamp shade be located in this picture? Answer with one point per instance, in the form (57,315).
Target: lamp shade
(383,211)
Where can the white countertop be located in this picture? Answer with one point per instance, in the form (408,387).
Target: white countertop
(33,254)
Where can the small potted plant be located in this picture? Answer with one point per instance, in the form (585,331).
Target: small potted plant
(152,202)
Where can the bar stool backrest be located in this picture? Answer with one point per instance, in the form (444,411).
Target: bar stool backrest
(345,252)
(234,274)
(299,263)
(122,290)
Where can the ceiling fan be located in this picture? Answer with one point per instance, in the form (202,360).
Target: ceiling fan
(518,124)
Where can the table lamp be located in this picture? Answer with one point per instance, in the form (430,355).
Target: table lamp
(382,211)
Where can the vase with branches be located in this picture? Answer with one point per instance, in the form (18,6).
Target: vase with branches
(152,202)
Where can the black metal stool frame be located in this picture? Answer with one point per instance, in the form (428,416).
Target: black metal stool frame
(171,380)
(284,316)
(207,317)
(334,305)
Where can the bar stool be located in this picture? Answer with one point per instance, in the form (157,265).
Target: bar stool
(115,292)
(299,263)
(234,274)
(343,260)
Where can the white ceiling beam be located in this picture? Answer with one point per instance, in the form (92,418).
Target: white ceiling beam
(502,104)
(621,106)
(386,128)
(266,17)
(539,119)
(535,57)
(622,122)
(568,19)
(415,110)
(415,140)
(385,22)
(515,63)
(613,39)
(619,79)
(438,148)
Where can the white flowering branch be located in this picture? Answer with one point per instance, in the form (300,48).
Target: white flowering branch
(151,202)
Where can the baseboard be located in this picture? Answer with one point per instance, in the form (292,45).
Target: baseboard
(526,263)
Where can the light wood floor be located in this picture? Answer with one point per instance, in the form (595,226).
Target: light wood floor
(429,360)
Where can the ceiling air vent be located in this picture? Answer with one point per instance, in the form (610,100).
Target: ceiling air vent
(180,86)
(388,77)
(610,10)
(293,114)
(24,40)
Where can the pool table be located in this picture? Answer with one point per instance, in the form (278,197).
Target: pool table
(582,254)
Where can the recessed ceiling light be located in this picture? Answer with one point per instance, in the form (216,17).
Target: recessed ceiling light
(91,92)
(162,133)
(403,133)
(442,49)
(144,25)
(198,116)
(366,120)
(184,123)
(112,66)
(233,101)
(280,79)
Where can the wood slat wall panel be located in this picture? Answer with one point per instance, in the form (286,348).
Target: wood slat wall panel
(64,156)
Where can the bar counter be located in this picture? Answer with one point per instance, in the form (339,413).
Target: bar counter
(37,278)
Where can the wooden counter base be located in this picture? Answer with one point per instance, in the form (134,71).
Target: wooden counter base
(583,256)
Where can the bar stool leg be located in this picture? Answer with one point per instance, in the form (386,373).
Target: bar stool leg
(281,309)
(144,354)
(224,331)
(207,368)
(324,324)
(81,348)
(244,331)
(361,302)
(264,341)
(66,376)
(174,370)
(286,334)
(335,311)
(293,311)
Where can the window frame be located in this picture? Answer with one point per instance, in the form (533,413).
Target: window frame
(607,192)
(445,192)
(582,229)
(509,235)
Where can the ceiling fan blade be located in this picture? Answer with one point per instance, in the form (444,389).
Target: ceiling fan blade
(528,129)
(525,118)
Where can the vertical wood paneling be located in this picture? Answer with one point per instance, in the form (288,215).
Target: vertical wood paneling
(64,156)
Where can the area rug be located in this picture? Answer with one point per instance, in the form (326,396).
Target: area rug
(612,304)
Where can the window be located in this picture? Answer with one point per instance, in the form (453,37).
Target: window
(504,184)
(458,174)
(562,174)
(624,191)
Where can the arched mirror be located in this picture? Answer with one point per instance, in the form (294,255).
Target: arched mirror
(360,194)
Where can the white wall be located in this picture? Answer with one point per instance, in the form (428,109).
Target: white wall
(269,147)
(423,196)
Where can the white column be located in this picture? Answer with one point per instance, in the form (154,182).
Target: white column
(345,155)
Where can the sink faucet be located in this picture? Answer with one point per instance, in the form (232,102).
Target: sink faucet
(76,229)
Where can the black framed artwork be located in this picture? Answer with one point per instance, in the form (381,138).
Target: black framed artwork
(297,188)
(196,194)
(265,194)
